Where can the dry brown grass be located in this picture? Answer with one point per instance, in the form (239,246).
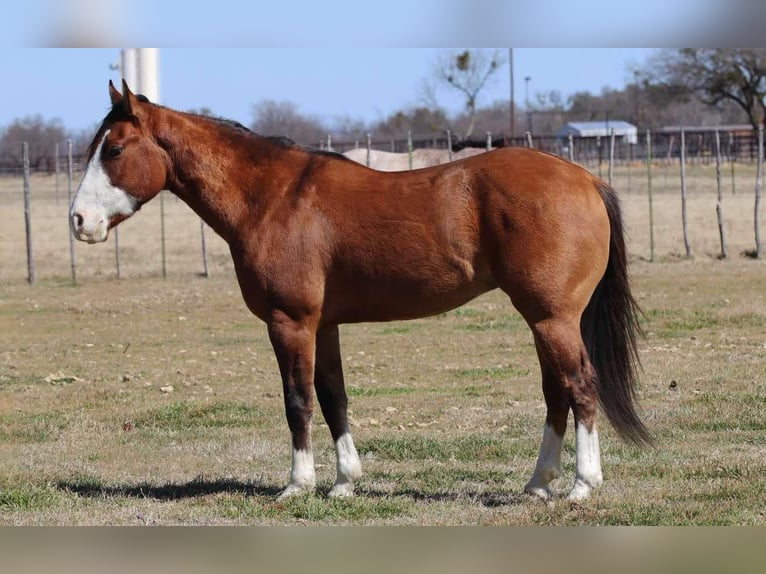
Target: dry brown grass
(447,411)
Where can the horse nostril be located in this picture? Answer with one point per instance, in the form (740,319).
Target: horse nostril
(77,220)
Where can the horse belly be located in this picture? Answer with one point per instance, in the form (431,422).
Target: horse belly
(420,292)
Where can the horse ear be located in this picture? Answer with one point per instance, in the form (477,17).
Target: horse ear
(114,95)
(129,98)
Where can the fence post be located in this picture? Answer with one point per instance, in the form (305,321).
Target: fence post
(683,194)
(611,157)
(205,272)
(649,182)
(369,148)
(718,205)
(56,169)
(758,180)
(571,147)
(329,142)
(449,144)
(489,141)
(409,147)
(27,214)
(69,202)
(117,251)
(162,234)
(731,159)
(528,135)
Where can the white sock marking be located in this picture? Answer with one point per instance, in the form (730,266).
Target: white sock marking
(349,466)
(548,465)
(588,474)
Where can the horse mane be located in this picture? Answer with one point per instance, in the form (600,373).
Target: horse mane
(118,111)
(284,142)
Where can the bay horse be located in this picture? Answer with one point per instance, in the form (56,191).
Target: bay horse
(318,240)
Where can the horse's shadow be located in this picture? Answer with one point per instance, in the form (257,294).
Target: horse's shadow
(169,491)
(200,487)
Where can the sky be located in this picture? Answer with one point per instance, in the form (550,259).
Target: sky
(329,83)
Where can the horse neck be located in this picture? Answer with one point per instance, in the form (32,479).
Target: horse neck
(223,174)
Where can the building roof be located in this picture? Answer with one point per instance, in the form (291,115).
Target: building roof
(598,128)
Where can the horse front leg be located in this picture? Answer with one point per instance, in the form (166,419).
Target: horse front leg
(293,343)
(328,378)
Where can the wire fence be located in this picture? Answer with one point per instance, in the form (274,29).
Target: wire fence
(683,196)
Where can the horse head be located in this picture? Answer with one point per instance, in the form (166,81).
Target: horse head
(126,167)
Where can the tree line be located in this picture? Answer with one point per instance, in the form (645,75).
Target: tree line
(688,86)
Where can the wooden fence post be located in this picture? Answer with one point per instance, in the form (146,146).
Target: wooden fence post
(731,159)
(409,147)
(758,180)
(649,182)
(683,194)
(27,214)
(489,141)
(369,147)
(528,136)
(117,251)
(449,144)
(611,157)
(69,168)
(570,148)
(162,235)
(56,169)
(718,205)
(205,272)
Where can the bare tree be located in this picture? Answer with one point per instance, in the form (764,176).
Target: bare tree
(716,75)
(283,119)
(422,121)
(468,72)
(41,136)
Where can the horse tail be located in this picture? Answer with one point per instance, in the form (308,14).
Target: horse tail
(610,328)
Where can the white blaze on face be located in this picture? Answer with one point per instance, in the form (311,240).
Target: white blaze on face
(97,201)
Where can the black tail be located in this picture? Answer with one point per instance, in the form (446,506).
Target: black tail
(610,328)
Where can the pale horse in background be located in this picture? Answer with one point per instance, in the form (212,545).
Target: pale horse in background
(389,161)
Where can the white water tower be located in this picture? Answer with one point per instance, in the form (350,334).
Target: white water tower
(141,70)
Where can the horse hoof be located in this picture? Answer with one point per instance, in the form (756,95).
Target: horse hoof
(541,492)
(580,491)
(341,490)
(294,490)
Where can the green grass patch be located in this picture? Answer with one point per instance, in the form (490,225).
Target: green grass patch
(182,416)
(311,508)
(32,427)
(379,391)
(675,323)
(396,330)
(468,448)
(502,323)
(493,373)
(27,497)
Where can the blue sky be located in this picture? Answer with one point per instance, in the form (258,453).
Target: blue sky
(366,83)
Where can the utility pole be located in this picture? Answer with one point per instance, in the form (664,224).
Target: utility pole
(513,100)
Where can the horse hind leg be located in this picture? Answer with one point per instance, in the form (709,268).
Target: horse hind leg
(548,466)
(330,388)
(568,376)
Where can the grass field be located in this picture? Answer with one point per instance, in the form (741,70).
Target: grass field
(151,401)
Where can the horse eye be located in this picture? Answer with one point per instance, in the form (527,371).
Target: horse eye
(114,151)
